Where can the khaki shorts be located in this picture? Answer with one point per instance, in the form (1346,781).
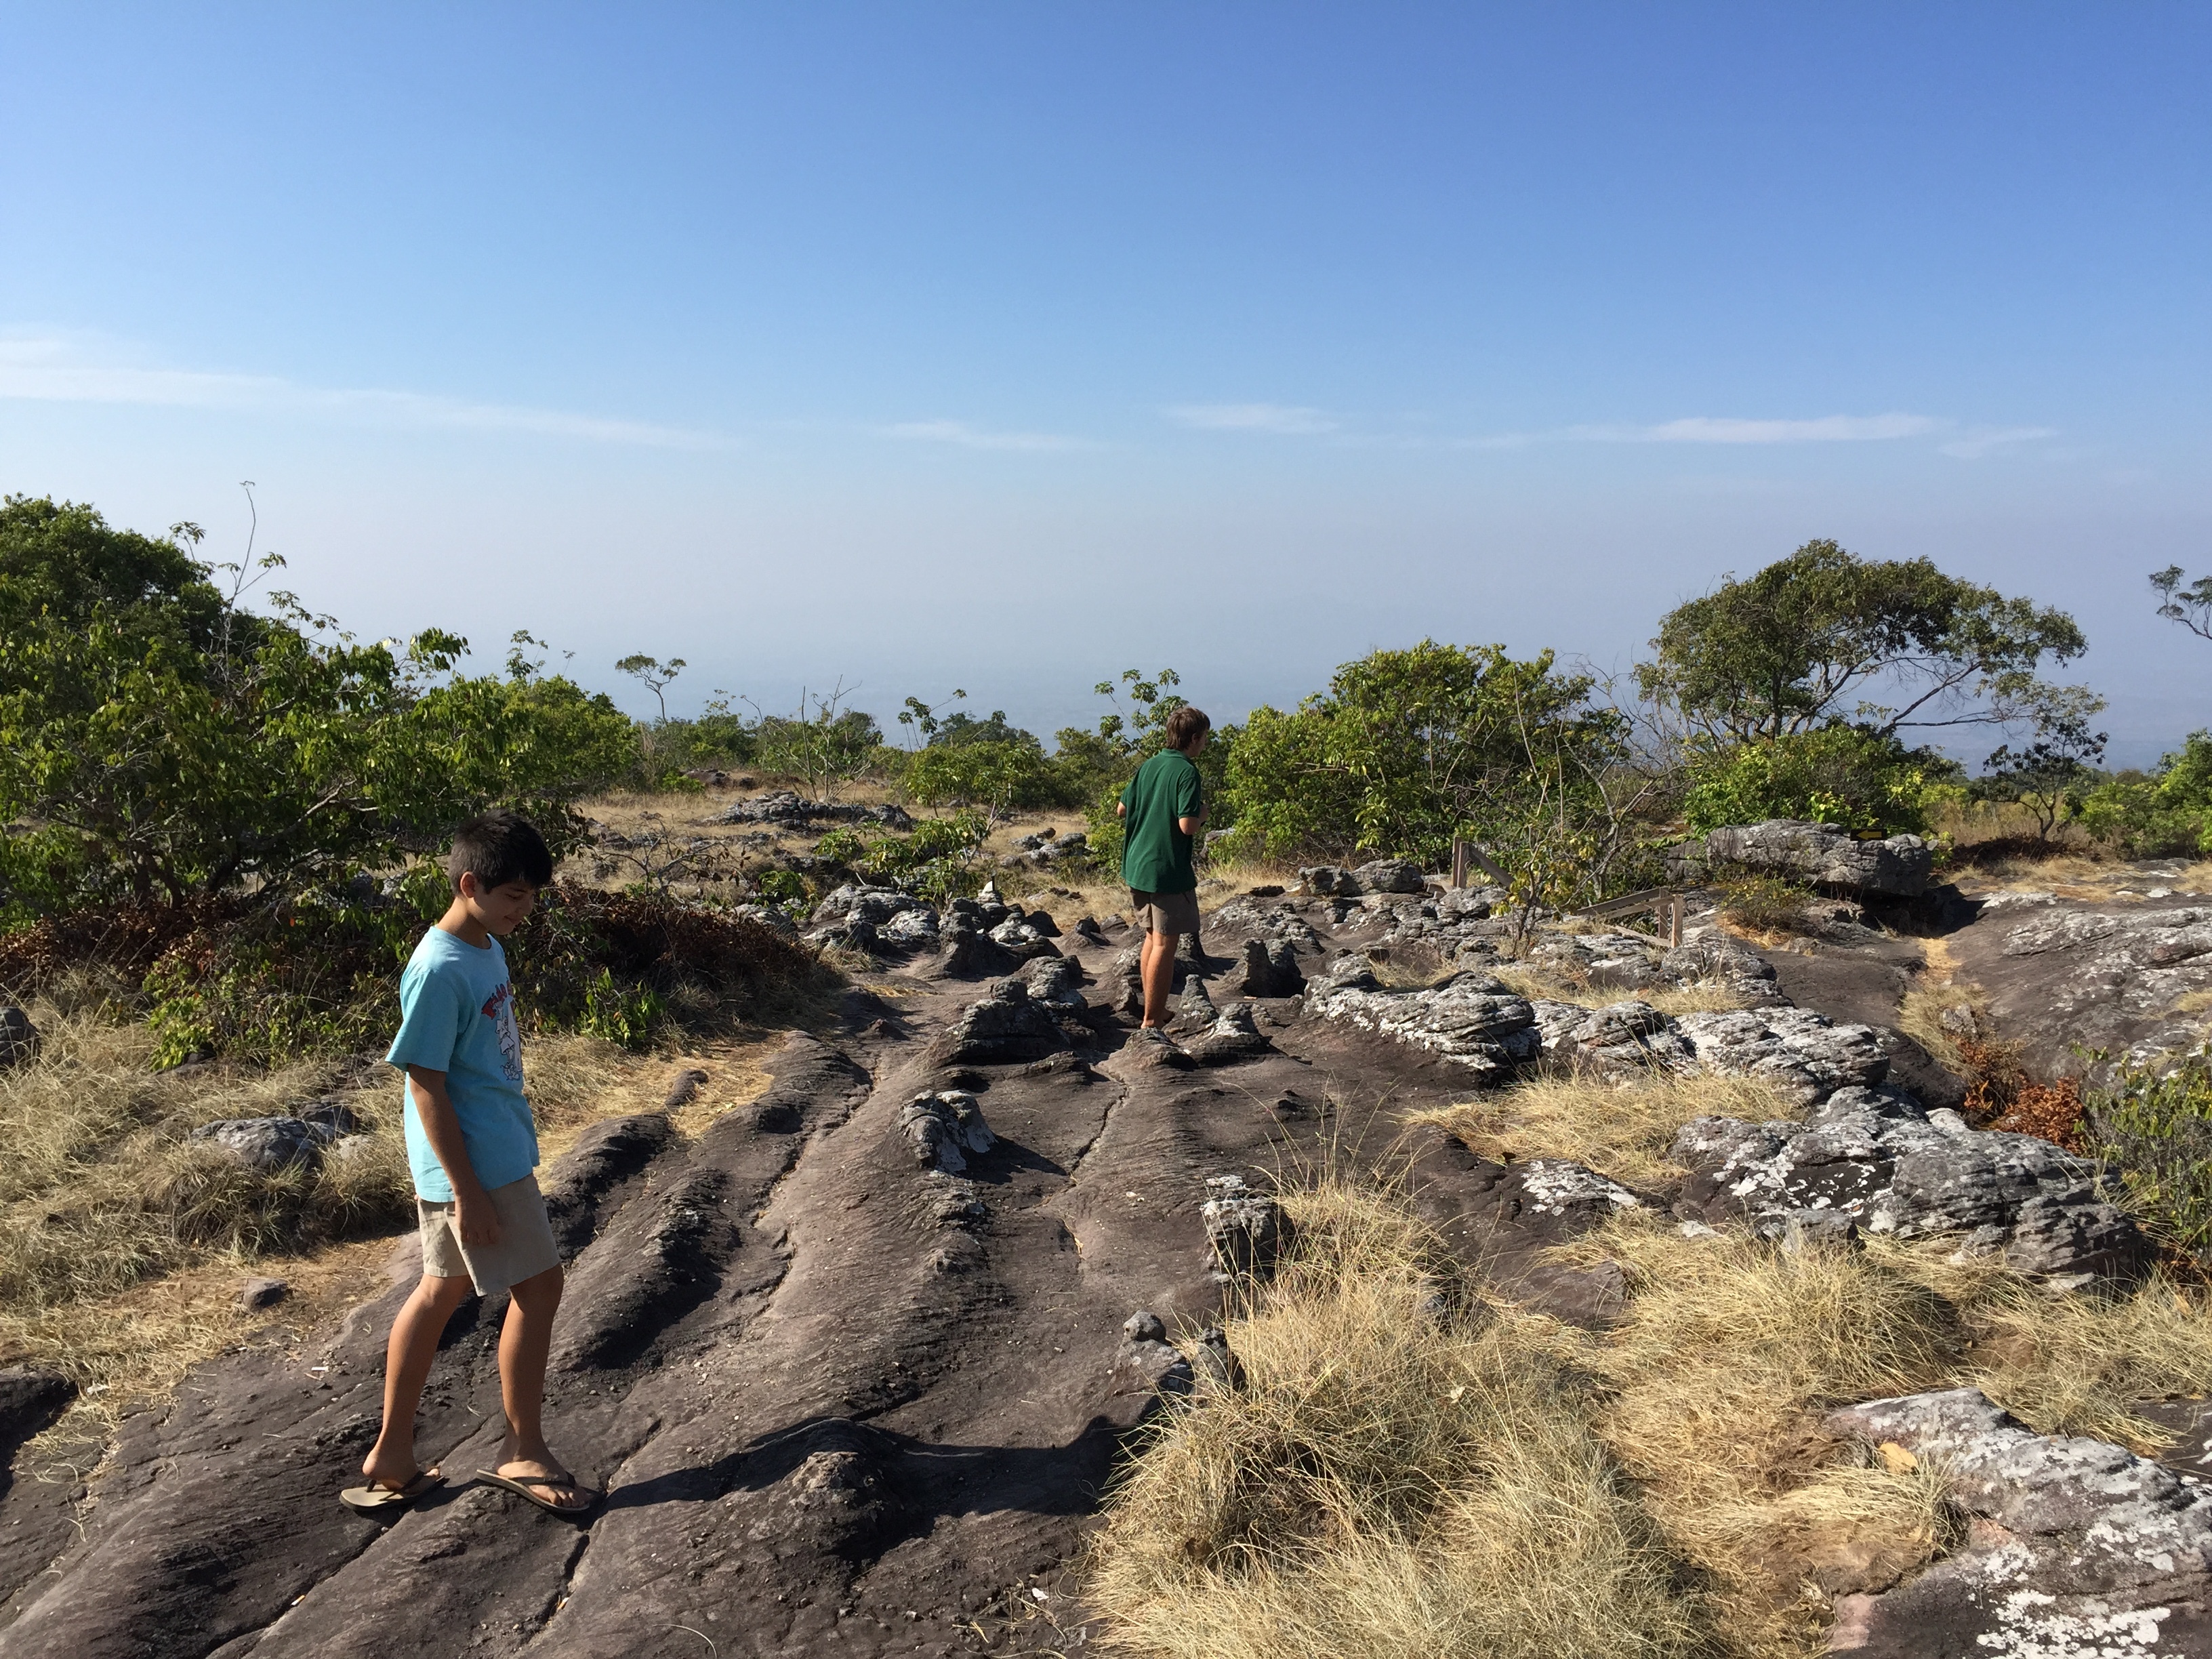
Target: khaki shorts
(525,1247)
(1163,913)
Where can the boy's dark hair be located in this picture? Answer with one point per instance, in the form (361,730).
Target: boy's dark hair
(497,847)
(1185,725)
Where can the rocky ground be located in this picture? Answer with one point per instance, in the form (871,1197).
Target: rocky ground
(855,1361)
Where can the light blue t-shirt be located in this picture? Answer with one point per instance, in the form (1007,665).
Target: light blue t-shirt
(457,1016)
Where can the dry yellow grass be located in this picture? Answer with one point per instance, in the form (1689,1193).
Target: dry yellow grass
(1556,987)
(1727,1351)
(122,1246)
(1276,1520)
(1621,1127)
(1386,1482)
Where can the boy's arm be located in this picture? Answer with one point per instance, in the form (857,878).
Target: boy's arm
(1194,794)
(441,1127)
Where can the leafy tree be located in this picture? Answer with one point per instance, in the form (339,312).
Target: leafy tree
(652,674)
(2050,775)
(1805,642)
(2165,813)
(824,745)
(157,743)
(1406,750)
(2191,606)
(1868,782)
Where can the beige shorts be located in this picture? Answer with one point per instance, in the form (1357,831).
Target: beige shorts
(1163,913)
(525,1247)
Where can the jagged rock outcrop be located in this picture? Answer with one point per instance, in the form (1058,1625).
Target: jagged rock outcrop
(787,807)
(2075,1547)
(1271,969)
(1718,960)
(1820,853)
(1478,1021)
(944,1128)
(1247,1231)
(1376,876)
(1056,982)
(1469,1019)
(969,954)
(1878,1157)
(268,1143)
(1233,1035)
(1803,1055)
(1021,939)
(1002,1026)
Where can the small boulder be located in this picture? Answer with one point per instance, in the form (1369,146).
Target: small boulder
(1389,876)
(264,1144)
(254,1294)
(19,1038)
(1144,1326)
(30,1399)
(1248,1231)
(1055,981)
(684,1088)
(1234,1036)
(1003,1026)
(971,954)
(1328,881)
(943,1128)
(1271,969)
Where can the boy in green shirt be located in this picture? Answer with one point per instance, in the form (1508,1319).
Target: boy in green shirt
(1162,809)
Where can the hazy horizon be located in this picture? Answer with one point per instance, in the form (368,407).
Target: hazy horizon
(1006,348)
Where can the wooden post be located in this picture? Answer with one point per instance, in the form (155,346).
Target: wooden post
(1674,920)
(1459,862)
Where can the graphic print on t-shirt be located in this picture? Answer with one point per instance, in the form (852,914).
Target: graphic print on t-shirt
(499,1008)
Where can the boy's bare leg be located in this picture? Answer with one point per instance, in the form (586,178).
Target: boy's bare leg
(524,1342)
(1157,965)
(407,1358)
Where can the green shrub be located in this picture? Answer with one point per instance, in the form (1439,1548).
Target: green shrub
(2152,1130)
(1408,749)
(1862,780)
(626,1016)
(937,860)
(160,743)
(319,974)
(1764,903)
(2167,813)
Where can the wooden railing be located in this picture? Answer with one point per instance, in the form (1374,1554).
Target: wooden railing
(1664,904)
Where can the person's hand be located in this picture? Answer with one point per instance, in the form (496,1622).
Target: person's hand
(477,1221)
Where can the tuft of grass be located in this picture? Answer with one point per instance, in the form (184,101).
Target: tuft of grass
(1387,1480)
(1619,1126)
(122,1242)
(1556,987)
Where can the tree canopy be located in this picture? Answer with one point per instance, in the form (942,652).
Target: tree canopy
(158,742)
(1824,635)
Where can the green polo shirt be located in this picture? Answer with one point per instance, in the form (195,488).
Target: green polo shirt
(1155,854)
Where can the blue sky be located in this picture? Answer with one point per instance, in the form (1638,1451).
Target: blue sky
(1007,346)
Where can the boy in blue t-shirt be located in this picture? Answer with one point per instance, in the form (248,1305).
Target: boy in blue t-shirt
(472,1147)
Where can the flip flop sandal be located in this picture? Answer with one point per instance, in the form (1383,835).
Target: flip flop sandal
(520,1487)
(378,1500)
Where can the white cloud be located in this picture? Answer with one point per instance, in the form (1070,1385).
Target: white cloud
(51,370)
(1972,445)
(1820,429)
(973,437)
(1293,420)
